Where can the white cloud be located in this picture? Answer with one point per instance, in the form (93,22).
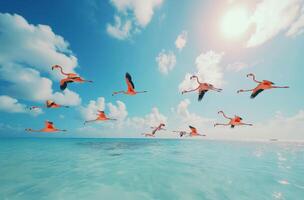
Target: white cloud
(272,17)
(237,66)
(185,117)
(297,27)
(11,105)
(35,46)
(181,40)
(26,50)
(89,111)
(152,119)
(119,30)
(118,112)
(137,13)
(208,70)
(166,61)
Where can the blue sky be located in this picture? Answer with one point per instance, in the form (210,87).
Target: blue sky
(77,36)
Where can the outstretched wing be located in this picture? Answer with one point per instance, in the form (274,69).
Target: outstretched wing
(49,103)
(49,125)
(101,114)
(201,95)
(193,130)
(255,93)
(64,83)
(129,82)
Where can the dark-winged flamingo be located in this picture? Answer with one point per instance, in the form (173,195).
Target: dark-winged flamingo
(49,104)
(131,88)
(155,129)
(194,132)
(202,88)
(70,78)
(48,128)
(262,85)
(236,121)
(101,116)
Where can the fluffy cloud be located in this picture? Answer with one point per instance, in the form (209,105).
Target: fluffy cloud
(181,40)
(118,111)
(89,111)
(35,46)
(208,70)
(272,17)
(119,30)
(137,13)
(26,50)
(152,119)
(297,27)
(237,66)
(279,126)
(166,61)
(188,118)
(11,105)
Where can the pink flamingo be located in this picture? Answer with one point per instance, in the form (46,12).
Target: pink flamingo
(101,116)
(236,121)
(202,88)
(49,128)
(155,129)
(71,78)
(131,87)
(262,85)
(49,104)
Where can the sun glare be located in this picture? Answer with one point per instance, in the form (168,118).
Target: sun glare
(235,22)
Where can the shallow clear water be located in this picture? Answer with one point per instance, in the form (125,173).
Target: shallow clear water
(150,169)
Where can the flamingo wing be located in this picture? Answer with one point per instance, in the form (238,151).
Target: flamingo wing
(49,125)
(255,93)
(64,83)
(193,130)
(129,82)
(101,114)
(201,94)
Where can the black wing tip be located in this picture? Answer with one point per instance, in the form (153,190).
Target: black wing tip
(232,126)
(201,95)
(253,95)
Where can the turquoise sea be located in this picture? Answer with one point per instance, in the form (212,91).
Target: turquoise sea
(143,169)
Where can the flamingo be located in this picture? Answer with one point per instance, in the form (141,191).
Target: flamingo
(101,116)
(262,85)
(202,88)
(131,87)
(192,133)
(155,129)
(70,78)
(236,121)
(181,133)
(49,128)
(49,104)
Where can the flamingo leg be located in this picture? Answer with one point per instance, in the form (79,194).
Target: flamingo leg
(119,92)
(218,124)
(279,86)
(88,121)
(244,90)
(141,91)
(244,124)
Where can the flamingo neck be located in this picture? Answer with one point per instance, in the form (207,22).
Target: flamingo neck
(62,72)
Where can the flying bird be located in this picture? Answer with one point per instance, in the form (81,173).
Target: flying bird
(131,88)
(101,116)
(236,121)
(70,78)
(262,85)
(49,128)
(49,104)
(202,88)
(194,132)
(155,129)
(181,133)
